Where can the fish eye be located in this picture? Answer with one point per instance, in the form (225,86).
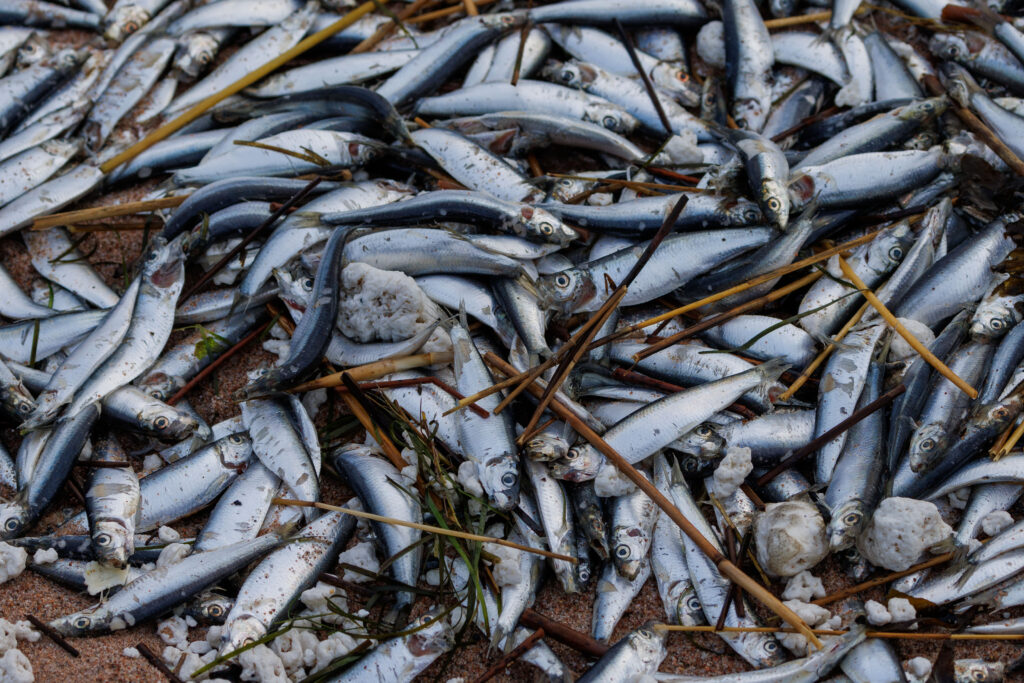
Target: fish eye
(24,407)
(771,646)
(851,518)
(954,50)
(691,465)
(896,253)
(11,524)
(547,228)
(996,323)
(572,454)
(82,622)
(584,574)
(215,611)
(567,75)
(562,281)
(927,444)
(103,540)
(610,121)
(205,58)
(508,480)
(645,633)
(622,552)
(308,283)
(236,439)
(161,422)
(703,430)
(682,76)
(750,214)
(693,604)
(131,26)
(1000,412)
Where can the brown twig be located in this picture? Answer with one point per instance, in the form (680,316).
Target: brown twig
(753,282)
(53,635)
(360,408)
(471,9)
(405,16)
(882,580)
(708,323)
(271,219)
(375,370)
(798,20)
(103,463)
(511,656)
(217,362)
(721,562)
(445,12)
(100,212)
(814,444)
(892,635)
(157,662)
(648,86)
(581,642)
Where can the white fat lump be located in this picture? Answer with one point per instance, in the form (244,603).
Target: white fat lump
(790,537)
(900,530)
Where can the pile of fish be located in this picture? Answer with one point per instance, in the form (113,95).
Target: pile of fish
(476,188)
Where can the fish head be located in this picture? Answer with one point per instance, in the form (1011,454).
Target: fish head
(167,423)
(34,50)
(764,649)
(991,320)
(774,201)
(926,445)
(978,671)
(581,463)
(17,401)
(696,466)
(886,251)
(124,21)
(296,288)
(196,55)
(431,635)
(676,81)
(159,385)
(741,212)
(542,225)
(584,572)
(500,479)
(546,447)
(955,46)
(112,542)
(86,622)
(611,116)
(241,631)
(566,291)
(504,20)
(704,442)
(924,110)
(210,608)
(14,518)
(235,450)
(689,611)
(164,262)
(846,524)
(628,549)
(648,642)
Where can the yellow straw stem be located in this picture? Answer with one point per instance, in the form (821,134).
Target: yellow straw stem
(423,527)
(903,332)
(256,74)
(376,370)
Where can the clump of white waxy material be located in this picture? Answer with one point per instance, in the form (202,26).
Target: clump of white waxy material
(173,553)
(995,522)
(335,645)
(382,305)
(803,586)
(45,556)
(468,478)
(152,463)
(278,347)
(99,577)
(901,610)
(130,653)
(12,632)
(682,148)
(918,667)
(878,615)
(958,499)
(711,44)
(731,472)
(790,537)
(316,599)
(900,349)
(199,647)
(900,530)
(600,199)
(262,664)
(312,401)
(506,570)
(360,555)
(813,615)
(432,577)
(297,650)
(12,561)
(187,663)
(610,483)
(15,668)
(439,341)
(173,631)
(972,545)
(167,534)
(190,622)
